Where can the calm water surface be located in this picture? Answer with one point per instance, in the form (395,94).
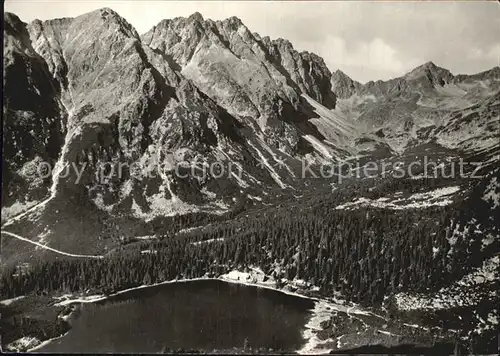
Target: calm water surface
(202,315)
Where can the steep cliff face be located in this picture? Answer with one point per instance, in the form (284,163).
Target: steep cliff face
(33,122)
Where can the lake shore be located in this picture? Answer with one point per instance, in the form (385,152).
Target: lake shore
(255,277)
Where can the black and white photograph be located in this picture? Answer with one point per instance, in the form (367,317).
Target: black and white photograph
(250,177)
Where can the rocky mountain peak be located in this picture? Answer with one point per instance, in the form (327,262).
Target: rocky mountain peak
(429,65)
(196,17)
(233,20)
(340,74)
(283,43)
(109,16)
(342,85)
(263,74)
(493,72)
(106,12)
(432,73)
(11,21)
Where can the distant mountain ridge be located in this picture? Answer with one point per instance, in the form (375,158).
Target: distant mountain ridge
(429,73)
(428,104)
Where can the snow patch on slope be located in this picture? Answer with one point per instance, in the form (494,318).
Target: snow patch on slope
(437,197)
(319,146)
(7,302)
(17,208)
(280,161)
(269,167)
(342,127)
(207,241)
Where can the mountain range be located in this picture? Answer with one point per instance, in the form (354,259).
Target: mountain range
(111,137)
(90,89)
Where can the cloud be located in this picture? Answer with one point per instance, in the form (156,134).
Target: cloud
(366,59)
(375,54)
(494,53)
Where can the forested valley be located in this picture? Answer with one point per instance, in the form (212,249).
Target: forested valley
(365,253)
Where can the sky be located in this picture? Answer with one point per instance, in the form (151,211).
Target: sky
(366,40)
